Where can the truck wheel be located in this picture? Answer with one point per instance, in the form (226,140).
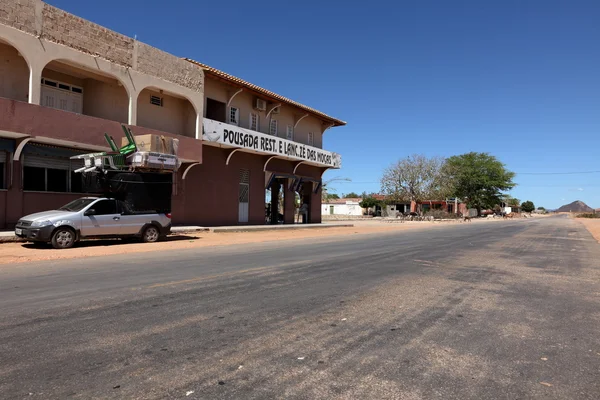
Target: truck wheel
(150,234)
(63,238)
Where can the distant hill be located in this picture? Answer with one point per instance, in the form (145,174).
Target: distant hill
(576,206)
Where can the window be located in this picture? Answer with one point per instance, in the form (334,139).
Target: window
(273,127)
(76,182)
(62,96)
(289,132)
(51,174)
(3,157)
(156,100)
(2,173)
(105,207)
(311,139)
(234,116)
(57,180)
(34,178)
(254,124)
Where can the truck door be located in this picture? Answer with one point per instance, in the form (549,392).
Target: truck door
(103,219)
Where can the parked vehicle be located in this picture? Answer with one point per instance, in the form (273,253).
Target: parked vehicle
(92,217)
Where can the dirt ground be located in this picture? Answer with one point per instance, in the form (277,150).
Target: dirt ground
(592,225)
(13,253)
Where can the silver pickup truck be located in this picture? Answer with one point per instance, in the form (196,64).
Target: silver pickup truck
(92,217)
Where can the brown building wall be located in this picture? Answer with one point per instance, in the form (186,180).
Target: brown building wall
(209,194)
(3,204)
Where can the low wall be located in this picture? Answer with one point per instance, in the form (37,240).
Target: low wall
(329,217)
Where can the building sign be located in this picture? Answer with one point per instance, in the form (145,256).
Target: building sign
(257,142)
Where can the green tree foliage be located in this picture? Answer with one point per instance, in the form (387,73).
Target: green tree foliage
(332,196)
(414,178)
(527,206)
(513,202)
(479,178)
(352,195)
(369,202)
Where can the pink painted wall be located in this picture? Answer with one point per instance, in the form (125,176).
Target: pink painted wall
(17,116)
(43,201)
(3,194)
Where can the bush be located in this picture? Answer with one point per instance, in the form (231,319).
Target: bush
(588,215)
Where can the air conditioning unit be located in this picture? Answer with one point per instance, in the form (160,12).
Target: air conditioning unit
(260,104)
(276,110)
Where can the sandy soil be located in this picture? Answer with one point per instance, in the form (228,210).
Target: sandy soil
(592,225)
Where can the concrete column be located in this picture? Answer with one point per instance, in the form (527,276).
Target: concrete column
(289,207)
(14,196)
(274,201)
(199,126)
(132,118)
(314,214)
(35,84)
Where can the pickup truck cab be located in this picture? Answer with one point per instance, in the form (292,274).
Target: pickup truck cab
(92,217)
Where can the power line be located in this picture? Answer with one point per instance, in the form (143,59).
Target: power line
(558,173)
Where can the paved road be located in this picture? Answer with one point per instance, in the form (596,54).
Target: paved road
(505,310)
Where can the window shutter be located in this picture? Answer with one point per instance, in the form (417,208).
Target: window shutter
(32,160)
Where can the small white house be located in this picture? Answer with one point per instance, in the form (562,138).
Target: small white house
(341,207)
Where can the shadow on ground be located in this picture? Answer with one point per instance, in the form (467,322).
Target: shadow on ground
(106,242)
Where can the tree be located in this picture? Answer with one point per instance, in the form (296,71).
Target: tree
(351,195)
(541,208)
(369,202)
(513,202)
(527,206)
(479,178)
(326,186)
(332,196)
(414,178)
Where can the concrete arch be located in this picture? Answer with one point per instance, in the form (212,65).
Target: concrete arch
(13,43)
(177,113)
(168,90)
(23,75)
(99,71)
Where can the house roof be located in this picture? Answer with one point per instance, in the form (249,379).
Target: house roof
(343,201)
(237,81)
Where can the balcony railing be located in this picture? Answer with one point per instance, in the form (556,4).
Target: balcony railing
(220,134)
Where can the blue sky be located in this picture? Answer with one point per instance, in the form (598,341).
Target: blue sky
(517,79)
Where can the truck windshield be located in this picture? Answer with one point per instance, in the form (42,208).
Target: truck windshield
(77,205)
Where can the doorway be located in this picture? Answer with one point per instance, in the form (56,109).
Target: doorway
(274,203)
(244,196)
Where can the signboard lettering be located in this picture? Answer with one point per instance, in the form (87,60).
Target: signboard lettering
(234,136)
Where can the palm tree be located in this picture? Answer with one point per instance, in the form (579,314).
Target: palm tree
(326,186)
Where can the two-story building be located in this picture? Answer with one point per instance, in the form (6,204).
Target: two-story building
(246,152)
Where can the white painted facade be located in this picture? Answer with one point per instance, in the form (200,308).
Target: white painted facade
(349,207)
